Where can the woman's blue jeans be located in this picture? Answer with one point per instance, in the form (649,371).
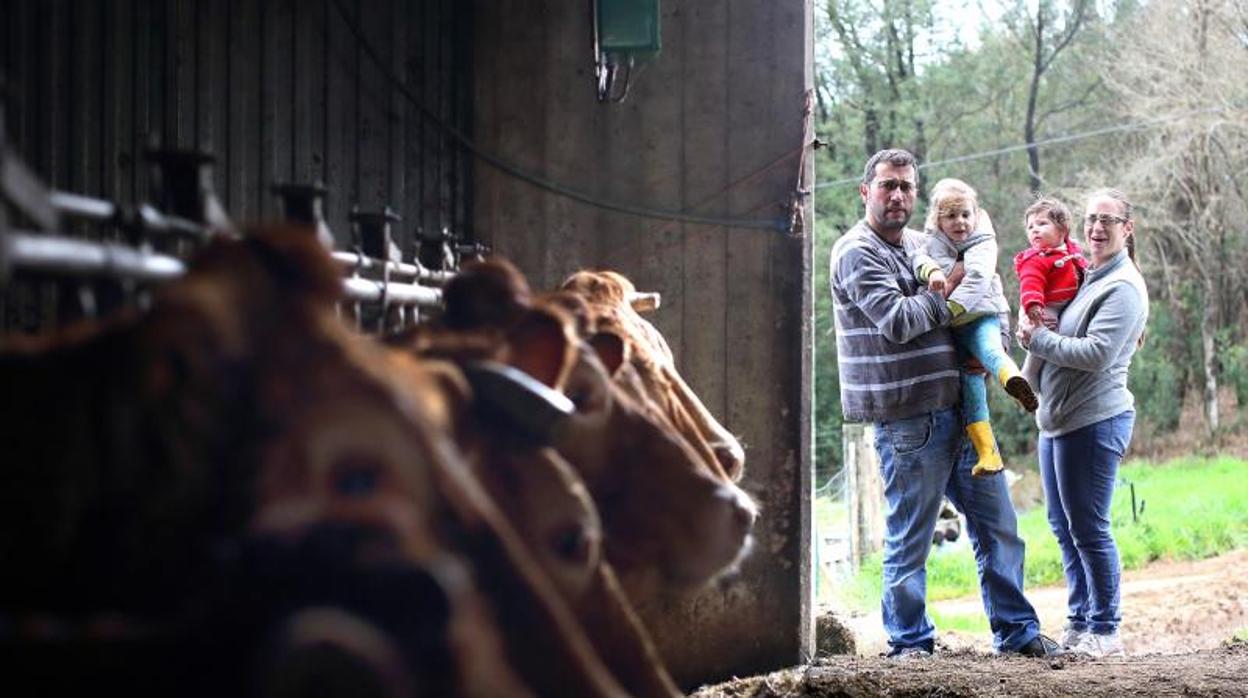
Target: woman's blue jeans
(1078,470)
(922,459)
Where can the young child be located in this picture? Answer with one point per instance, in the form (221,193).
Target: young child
(1049,271)
(958,231)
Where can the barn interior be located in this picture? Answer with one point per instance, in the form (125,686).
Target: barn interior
(668,141)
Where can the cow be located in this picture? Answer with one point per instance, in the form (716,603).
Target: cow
(666,511)
(545,499)
(611,297)
(663,511)
(234,460)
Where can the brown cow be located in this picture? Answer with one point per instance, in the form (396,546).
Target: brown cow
(610,296)
(238,415)
(663,512)
(545,499)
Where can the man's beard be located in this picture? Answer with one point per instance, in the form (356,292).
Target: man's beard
(887,223)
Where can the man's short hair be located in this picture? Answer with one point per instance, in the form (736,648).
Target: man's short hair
(893,156)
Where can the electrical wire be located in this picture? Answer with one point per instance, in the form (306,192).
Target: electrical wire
(1048,141)
(516,171)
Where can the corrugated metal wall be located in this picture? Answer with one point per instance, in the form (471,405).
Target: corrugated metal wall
(716,125)
(277,90)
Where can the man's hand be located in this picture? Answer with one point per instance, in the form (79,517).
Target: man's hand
(936,281)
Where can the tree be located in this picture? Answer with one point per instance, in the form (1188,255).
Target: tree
(1188,168)
(1045,34)
(878,60)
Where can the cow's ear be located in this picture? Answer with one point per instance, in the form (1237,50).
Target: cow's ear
(612,350)
(540,344)
(449,406)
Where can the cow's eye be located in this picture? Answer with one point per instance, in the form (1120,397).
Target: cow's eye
(580,399)
(572,544)
(356,476)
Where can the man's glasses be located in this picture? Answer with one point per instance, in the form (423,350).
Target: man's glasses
(1105,219)
(892,185)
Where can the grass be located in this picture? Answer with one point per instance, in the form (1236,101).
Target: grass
(1193,508)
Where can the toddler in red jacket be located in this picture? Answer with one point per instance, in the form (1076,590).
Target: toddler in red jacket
(1049,271)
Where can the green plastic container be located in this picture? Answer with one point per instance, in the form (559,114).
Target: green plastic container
(629,27)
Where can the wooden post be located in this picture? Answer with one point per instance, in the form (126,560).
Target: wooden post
(866,491)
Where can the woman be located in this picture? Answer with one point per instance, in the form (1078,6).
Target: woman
(1086,415)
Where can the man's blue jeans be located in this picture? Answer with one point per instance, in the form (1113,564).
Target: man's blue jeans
(1078,470)
(921,459)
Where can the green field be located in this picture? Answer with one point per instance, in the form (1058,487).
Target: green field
(1193,508)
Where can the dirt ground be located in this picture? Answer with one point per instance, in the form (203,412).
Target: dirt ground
(1220,672)
(1178,621)
(1167,608)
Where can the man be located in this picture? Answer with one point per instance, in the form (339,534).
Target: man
(899,370)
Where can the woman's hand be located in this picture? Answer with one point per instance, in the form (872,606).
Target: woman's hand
(1026,327)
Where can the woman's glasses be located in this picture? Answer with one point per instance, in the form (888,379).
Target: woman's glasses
(1105,219)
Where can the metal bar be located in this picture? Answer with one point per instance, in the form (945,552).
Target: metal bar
(83,207)
(21,188)
(353,261)
(144,219)
(367,290)
(148,219)
(62,255)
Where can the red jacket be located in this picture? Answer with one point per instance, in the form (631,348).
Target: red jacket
(1050,275)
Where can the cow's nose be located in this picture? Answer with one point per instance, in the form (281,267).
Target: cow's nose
(731,458)
(744,517)
(318,648)
(743,512)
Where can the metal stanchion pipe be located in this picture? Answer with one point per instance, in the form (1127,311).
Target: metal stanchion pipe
(354,261)
(62,255)
(82,207)
(369,291)
(144,218)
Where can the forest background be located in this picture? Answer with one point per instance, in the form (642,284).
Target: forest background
(1060,98)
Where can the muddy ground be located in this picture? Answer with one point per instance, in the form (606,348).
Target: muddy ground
(1220,672)
(1178,621)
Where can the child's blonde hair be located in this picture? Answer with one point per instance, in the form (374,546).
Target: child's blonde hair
(946,194)
(1055,209)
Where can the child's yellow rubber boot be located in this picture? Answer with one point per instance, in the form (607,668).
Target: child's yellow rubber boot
(986,446)
(1017,387)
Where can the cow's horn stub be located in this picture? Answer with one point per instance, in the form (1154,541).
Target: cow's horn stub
(530,407)
(644,302)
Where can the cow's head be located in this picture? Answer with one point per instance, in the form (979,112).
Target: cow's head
(661,509)
(499,428)
(611,298)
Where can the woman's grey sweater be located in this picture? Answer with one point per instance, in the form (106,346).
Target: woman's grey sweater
(1084,379)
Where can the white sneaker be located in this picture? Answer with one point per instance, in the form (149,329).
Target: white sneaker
(1070,638)
(1094,645)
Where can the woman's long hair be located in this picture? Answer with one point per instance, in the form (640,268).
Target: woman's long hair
(1121,198)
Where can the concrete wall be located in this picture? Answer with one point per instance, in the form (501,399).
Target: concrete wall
(716,125)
